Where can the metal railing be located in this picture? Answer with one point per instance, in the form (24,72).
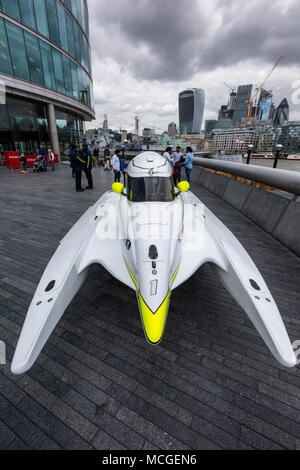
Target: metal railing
(282,179)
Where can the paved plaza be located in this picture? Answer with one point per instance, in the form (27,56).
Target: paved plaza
(211,384)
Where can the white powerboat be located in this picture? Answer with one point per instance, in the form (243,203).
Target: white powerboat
(152,237)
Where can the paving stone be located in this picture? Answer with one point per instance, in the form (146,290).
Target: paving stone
(103,441)
(108,423)
(17,444)
(56,429)
(23,428)
(148,430)
(217,435)
(257,440)
(6,436)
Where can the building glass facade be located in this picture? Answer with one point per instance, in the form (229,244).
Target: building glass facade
(210,124)
(282,113)
(65,27)
(241,107)
(289,137)
(223,123)
(46,43)
(69,129)
(264,137)
(191,110)
(23,125)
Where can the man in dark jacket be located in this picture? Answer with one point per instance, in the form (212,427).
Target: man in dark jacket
(77,165)
(87,156)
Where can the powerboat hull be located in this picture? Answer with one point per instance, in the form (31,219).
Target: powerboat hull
(152,248)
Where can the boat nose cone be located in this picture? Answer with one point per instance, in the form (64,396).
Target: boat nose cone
(154,322)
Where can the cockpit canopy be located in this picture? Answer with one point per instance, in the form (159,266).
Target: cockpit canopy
(150,189)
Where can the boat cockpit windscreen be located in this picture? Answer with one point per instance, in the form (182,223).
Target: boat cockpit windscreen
(150,189)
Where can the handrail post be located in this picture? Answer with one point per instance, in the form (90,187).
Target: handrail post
(250,150)
(279,147)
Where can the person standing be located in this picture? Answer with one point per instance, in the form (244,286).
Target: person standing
(178,162)
(177,155)
(189,158)
(177,170)
(107,155)
(77,165)
(123,167)
(167,155)
(87,157)
(96,154)
(116,164)
(23,160)
(51,158)
(43,155)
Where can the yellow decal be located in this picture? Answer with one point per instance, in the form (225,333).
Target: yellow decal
(154,322)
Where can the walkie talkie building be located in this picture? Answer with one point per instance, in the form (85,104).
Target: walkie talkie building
(191,110)
(45,64)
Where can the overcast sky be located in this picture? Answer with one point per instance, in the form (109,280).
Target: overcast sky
(144,52)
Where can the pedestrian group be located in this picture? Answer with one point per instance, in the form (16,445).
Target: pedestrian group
(40,163)
(179,160)
(82,160)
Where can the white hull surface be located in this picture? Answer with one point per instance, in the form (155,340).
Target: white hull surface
(186,237)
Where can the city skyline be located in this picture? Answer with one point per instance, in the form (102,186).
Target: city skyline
(135,70)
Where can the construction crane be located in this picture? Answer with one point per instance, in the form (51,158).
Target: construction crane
(233,89)
(151,126)
(252,100)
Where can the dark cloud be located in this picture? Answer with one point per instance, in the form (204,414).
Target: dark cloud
(171,40)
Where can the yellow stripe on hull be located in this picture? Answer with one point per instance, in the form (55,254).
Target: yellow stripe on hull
(154,322)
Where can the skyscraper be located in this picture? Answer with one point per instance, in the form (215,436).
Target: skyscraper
(226,111)
(264,106)
(281,113)
(241,107)
(191,110)
(172,129)
(210,124)
(46,66)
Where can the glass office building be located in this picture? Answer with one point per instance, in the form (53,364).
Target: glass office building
(282,113)
(210,125)
(241,107)
(289,136)
(45,64)
(191,110)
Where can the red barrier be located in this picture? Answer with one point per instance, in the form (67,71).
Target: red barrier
(30,160)
(12,159)
(56,161)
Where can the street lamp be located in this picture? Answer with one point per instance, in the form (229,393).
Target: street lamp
(278,149)
(250,150)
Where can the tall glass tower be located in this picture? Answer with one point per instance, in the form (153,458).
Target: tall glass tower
(282,113)
(191,110)
(45,65)
(241,108)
